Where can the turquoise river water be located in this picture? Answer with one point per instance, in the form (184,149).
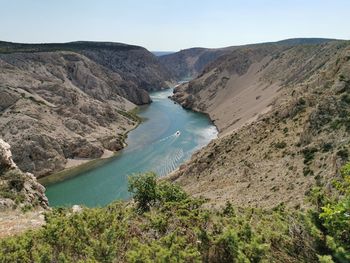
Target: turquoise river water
(166,139)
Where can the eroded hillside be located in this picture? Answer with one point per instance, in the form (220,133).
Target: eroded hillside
(189,63)
(285,116)
(138,67)
(67,101)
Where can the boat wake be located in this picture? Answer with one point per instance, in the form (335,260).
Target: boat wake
(173,136)
(170,162)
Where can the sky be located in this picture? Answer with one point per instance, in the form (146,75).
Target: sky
(172,25)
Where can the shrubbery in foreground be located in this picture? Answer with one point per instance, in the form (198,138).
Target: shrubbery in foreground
(164,224)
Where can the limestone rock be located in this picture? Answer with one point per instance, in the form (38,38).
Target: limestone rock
(6,162)
(18,188)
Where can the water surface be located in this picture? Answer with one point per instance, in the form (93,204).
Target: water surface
(166,139)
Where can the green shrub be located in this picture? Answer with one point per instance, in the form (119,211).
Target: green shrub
(307,171)
(309,154)
(169,192)
(326,147)
(144,190)
(174,227)
(333,219)
(280,145)
(343,154)
(147,192)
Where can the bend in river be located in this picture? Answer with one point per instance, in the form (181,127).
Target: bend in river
(167,138)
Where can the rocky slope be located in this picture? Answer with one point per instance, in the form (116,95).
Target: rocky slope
(189,63)
(19,193)
(237,87)
(136,66)
(68,101)
(283,117)
(18,189)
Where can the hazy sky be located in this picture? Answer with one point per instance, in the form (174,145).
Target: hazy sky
(172,24)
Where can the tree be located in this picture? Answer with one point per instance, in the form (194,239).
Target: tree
(144,189)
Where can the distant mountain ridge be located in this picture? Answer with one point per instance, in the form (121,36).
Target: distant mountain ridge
(11,47)
(124,59)
(189,63)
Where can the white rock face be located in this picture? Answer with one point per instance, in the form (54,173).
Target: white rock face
(6,161)
(18,184)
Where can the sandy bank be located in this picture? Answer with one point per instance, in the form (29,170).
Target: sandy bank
(71,163)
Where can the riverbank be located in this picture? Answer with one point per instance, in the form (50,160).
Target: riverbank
(71,163)
(154,146)
(74,167)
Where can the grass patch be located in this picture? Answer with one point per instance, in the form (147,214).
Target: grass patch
(132,114)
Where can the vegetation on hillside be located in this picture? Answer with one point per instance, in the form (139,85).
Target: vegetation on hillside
(164,224)
(8,47)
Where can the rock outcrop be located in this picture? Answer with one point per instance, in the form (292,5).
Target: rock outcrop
(18,189)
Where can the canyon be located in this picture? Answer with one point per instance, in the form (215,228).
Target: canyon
(271,185)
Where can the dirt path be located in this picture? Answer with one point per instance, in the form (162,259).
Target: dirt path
(16,222)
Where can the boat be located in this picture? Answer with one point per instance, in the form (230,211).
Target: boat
(177,133)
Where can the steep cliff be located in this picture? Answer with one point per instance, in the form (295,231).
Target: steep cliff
(18,189)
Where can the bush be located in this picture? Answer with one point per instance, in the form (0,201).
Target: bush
(169,192)
(144,190)
(333,219)
(148,193)
(280,145)
(343,154)
(326,147)
(309,154)
(174,227)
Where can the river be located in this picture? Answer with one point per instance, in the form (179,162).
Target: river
(166,139)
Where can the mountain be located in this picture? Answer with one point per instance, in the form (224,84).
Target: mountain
(73,100)
(189,63)
(282,113)
(138,67)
